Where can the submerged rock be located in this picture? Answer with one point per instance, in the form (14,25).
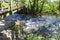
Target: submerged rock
(6,24)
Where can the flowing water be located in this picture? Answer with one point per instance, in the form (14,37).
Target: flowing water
(46,25)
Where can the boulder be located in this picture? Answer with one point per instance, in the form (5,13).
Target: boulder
(6,24)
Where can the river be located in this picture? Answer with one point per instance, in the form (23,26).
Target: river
(45,24)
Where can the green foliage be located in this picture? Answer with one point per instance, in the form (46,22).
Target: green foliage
(34,37)
(5,4)
(16,28)
(40,37)
(39,6)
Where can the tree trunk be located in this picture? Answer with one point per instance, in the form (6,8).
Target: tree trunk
(10,8)
(30,3)
(37,6)
(41,8)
